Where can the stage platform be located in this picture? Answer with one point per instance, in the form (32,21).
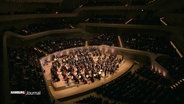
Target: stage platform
(66,91)
(61,89)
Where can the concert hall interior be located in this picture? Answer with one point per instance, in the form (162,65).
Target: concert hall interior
(92,51)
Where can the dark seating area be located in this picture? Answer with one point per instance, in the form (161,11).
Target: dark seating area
(106,19)
(60,10)
(64,7)
(90,100)
(44,25)
(141,2)
(118,2)
(173,65)
(151,74)
(133,89)
(50,46)
(175,68)
(102,3)
(179,11)
(147,20)
(25,8)
(110,39)
(148,42)
(53,45)
(26,75)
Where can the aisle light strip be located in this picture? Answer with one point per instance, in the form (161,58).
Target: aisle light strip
(37,49)
(179,53)
(119,38)
(86,43)
(128,21)
(80,6)
(177,84)
(71,26)
(163,21)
